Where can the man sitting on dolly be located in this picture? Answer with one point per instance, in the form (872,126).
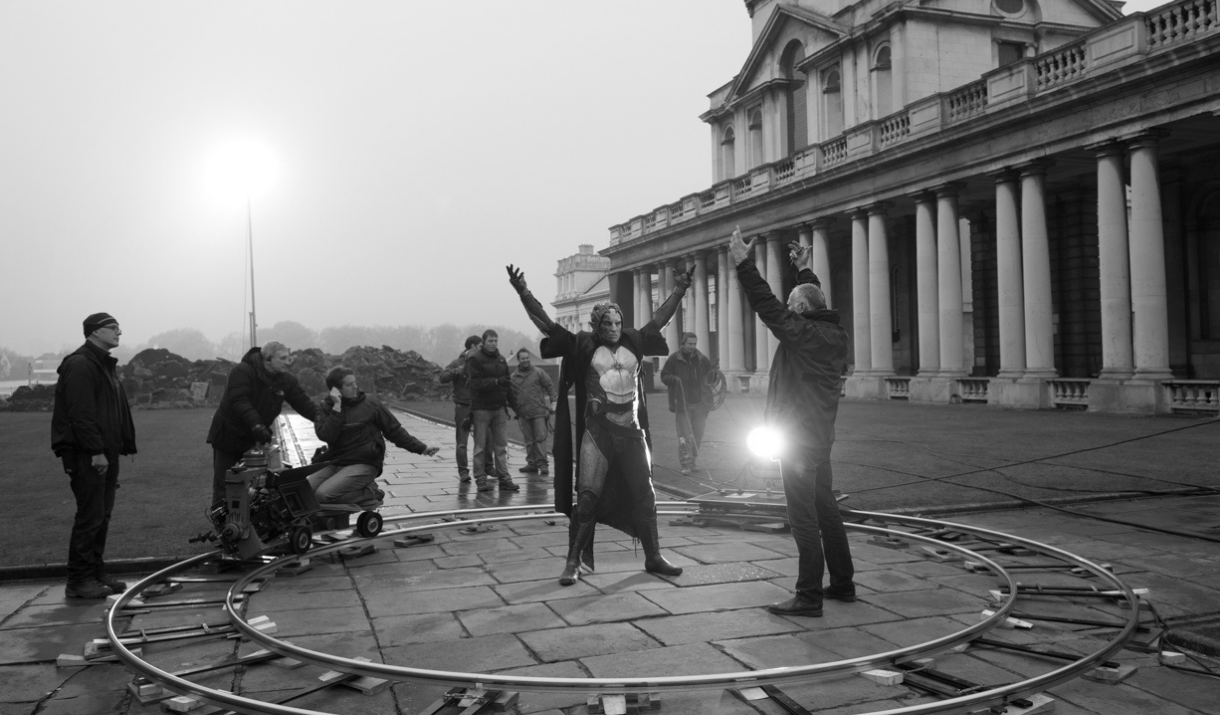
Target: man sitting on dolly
(614,468)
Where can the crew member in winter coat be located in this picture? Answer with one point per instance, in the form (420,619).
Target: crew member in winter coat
(491,395)
(455,374)
(614,471)
(355,427)
(802,403)
(257,389)
(90,428)
(685,374)
(535,395)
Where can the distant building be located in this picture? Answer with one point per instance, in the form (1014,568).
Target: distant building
(1014,202)
(580,284)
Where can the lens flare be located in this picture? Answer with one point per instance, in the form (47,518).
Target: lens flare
(764,442)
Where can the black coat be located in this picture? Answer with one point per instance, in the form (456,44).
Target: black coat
(686,380)
(254,397)
(91,411)
(614,507)
(807,370)
(489,381)
(354,434)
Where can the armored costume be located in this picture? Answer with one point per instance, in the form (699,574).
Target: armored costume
(613,476)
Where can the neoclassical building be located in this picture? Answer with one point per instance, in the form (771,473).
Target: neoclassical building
(1009,201)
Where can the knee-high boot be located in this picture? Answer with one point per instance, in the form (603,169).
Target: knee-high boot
(654,562)
(580,537)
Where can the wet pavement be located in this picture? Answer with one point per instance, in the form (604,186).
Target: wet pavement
(487,600)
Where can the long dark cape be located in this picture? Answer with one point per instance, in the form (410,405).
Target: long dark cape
(614,507)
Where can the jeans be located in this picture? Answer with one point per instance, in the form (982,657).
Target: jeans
(463,439)
(490,425)
(533,430)
(94,494)
(817,525)
(691,424)
(353,484)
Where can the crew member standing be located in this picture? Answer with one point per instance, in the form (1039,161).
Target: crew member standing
(90,428)
(535,395)
(802,403)
(685,374)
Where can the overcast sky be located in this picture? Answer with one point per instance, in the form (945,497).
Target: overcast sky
(420,146)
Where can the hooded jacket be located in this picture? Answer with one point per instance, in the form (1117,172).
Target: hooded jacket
(254,397)
(91,411)
(356,434)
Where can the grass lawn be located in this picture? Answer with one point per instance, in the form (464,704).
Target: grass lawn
(162,492)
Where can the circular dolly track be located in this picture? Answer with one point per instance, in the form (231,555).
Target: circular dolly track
(743,679)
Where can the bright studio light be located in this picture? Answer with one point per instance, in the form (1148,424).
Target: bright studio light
(239,170)
(764,442)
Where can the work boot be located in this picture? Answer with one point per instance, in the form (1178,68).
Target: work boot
(484,485)
(528,469)
(544,470)
(508,485)
(798,605)
(847,593)
(91,588)
(463,478)
(580,536)
(115,585)
(654,562)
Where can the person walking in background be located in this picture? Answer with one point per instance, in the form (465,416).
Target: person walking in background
(355,427)
(535,394)
(802,404)
(491,395)
(255,393)
(90,428)
(685,374)
(455,374)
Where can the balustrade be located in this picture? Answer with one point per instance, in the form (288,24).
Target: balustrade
(785,171)
(1062,65)
(1070,392)
(742,187)
(973,389)
(895,128)
(1193,395)
(834,151)
(898,387)
(1182,21)
(965,102)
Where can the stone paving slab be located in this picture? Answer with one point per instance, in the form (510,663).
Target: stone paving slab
(574,642)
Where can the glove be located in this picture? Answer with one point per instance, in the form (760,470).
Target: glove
(683,280)
(261,434)
(517,279)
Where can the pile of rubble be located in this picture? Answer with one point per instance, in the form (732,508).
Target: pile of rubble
(158,378)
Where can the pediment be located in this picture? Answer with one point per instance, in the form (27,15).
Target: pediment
(1084,13)
(817,29)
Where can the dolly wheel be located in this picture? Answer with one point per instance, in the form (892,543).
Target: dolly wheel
(368,524)
(300,539)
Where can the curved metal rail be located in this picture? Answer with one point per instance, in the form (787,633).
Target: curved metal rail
(742,679)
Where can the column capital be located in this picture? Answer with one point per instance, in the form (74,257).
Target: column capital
(1147,138)
(952,188)
(922,196)
(1006,175)
(819,222)
(877,207)
(1037,167)
(1107,147)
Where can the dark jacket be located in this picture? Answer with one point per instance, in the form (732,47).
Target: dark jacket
(490,385)
(686,380)
(533,391)
(354,434)
(803,394)
(254,397)
(91,411)
(455,372)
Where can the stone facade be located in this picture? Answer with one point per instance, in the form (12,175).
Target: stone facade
(1009,201)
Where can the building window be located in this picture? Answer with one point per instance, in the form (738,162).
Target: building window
(756,138)
(798,131)
(883,82)
(1010,7)
(832,98)
(726,154)
(1009,52)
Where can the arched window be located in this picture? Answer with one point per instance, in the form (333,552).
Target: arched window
(832,100)
(727,148)
(883,82)
(798,130)
(756,138)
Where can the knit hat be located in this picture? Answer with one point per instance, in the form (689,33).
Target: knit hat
(98,320)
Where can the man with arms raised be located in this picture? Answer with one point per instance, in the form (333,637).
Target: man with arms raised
(802,403)
(614,468)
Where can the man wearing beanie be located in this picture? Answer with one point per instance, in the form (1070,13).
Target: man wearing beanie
(90,428)
(254,395)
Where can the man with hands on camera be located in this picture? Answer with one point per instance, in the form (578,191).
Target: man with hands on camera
(355,427)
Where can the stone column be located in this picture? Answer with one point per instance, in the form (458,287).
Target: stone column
(665,286)
(1011,297)
(880,319)
(722,306)
(701,305)
(762,354)
(777,264)
(1036,275)
(861,330)
(821,255)
(637,294)
(1113,266)
(949,273)
(1149,301)
(736,338)
(645,313)
(926,285)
